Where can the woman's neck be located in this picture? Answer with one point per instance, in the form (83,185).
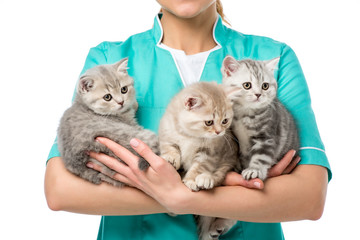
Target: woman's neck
(192,35)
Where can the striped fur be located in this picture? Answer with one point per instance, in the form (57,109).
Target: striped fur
(265,129)
(206,153)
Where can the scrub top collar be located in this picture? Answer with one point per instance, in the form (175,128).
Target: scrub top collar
(219,31)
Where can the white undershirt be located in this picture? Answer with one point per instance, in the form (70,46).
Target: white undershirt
(190,66)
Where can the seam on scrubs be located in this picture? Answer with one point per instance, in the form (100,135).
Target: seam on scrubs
(158,44)
(104,49)
(312,148)
(161,30)
(142,223)
(213,32)
(242,230)
(176,64)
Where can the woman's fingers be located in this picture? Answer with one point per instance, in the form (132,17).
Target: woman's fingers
(284,166)
(130,159)
(292,165)
(235,179)
(120,172)
(280,167)
(110,162)
(145,151)
(116,176)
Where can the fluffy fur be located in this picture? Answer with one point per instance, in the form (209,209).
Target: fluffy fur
(194,135)
(265,129)
(105,105)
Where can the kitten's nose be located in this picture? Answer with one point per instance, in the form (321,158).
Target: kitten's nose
(258,95)
(121,103)
(217,132)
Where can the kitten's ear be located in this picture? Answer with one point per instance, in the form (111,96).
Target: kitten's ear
(192,102)
(230,66)
(121,66)
(85,84)
(272,64)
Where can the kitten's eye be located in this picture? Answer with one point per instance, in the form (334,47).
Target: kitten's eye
(265,86)
(225,121)
(209,123)
(247,85)
(124,90)
(107,97)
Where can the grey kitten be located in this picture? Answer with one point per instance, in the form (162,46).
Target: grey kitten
(105,105)
(194,134)
(265,129)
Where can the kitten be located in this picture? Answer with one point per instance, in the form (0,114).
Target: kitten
(264,128)
(194,135)
(105,105)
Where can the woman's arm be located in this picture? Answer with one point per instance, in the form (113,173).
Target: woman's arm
(65,191)
(296,196)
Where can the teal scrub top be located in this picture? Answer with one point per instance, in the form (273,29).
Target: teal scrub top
(157,80)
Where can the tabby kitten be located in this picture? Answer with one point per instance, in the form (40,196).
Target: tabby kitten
(194,135)
(105,105)
(264,128)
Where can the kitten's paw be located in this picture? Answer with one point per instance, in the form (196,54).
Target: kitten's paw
(220,226)
(251,173)
(191,184)
(172,159)
(204,181)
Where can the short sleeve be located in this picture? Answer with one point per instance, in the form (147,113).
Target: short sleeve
(293,92)
(96,56)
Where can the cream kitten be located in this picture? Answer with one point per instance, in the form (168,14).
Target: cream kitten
(194,135)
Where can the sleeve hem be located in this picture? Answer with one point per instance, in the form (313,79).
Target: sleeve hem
(315,156)
(313,148)
(54,152)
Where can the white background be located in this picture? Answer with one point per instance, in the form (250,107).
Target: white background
(43,45)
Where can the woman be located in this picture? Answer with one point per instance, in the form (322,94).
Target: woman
(129,213)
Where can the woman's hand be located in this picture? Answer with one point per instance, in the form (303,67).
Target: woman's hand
(160,181)
(284,166)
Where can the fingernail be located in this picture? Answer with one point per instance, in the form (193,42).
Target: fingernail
(257,184)
(90,165)
(294,153)
(134,142)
